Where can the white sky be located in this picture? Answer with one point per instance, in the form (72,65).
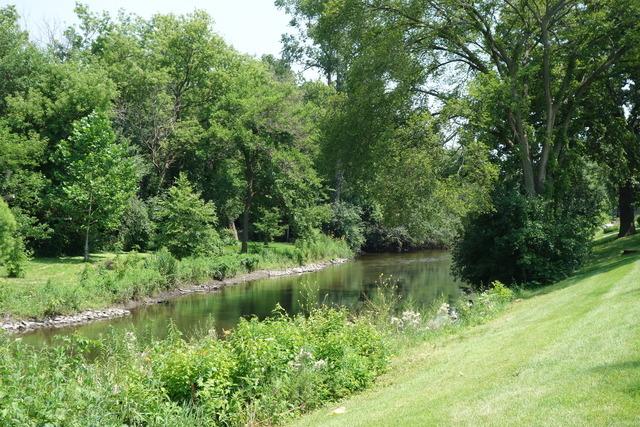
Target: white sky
(251,26)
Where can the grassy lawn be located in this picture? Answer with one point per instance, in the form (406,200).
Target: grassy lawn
(62,269)
(567,354)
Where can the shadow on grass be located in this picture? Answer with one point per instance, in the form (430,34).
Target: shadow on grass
(630,364)
(72,260)
(607,256)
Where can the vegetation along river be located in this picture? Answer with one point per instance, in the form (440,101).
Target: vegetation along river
(422,277)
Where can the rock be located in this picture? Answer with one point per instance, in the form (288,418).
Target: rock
(339,410)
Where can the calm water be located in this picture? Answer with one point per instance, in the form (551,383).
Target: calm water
(422,277)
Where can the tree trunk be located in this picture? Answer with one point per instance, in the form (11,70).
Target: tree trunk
(245,229)
(339,178)
(248,199)
(626,210)
(234,230)
(86,245)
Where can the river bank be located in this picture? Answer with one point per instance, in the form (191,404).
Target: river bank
(60,321)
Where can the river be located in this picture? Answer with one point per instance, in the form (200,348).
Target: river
(422,277)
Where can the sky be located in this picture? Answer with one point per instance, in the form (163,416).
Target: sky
(251,26)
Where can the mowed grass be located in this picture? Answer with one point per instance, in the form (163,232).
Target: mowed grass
(564,355)
(62,269)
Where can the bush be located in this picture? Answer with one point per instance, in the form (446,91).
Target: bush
(268,226)
(136,228)
(525,240)
(186,222)
(322,247)
(263,373)
(308,221)
(164,263)
(382,239)
(347,223)
(228,237)
(12,251)
(16,258)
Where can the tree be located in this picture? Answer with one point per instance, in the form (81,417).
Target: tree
(12,251)
(255,122)
(545,56)
(97,177)
(269,225)
(8,228)
(186,223)
(136,228)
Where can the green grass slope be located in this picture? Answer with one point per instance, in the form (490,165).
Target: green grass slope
(568,354)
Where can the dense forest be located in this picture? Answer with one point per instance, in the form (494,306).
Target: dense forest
(509,131)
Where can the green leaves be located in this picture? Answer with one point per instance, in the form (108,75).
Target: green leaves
(186,222)
(97,175)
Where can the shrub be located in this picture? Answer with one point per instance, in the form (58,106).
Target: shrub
(163,262)
(16,258)
(268,226)
(308,221)
(7,229)
(228,237)
(12,250)
(136,228)
(186,222)
(525,240)
(347,223)
(380,238)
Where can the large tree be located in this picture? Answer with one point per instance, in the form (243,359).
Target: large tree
(96,175)
(259,123)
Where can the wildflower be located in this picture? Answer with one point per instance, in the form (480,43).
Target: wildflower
(320,364)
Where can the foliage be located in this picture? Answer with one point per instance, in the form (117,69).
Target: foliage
(8,228)
(136,228)
(269,225)
(528,240)
(16,258)
(347,223)
(264,371)
(186,223)
(97,176)
(322,247)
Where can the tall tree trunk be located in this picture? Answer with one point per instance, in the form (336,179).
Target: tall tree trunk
(234,230)
(520,134)
(245,229)
(248,199)
(86,245)
(626,210)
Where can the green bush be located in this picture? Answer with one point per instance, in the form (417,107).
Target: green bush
(347,223)
(322,247)
(136,228)
(268,226)
(526,240)
(186,223)
(12,250)
(164,263)
(16,258)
